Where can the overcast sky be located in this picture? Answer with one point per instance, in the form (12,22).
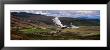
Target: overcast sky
(65,13)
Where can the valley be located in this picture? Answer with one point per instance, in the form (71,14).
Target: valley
(28,26)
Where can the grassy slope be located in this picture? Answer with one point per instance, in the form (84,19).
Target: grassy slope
(83,33)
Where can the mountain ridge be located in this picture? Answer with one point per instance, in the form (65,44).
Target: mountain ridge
(36,18)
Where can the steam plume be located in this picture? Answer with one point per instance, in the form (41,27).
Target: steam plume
(57,22)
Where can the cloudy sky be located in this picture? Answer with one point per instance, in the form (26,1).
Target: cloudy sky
(65,13)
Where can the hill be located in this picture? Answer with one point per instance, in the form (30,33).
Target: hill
(38,18)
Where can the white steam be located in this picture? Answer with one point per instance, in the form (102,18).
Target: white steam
(73,26)
(57,22)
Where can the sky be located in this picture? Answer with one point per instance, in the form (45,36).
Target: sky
(95,14)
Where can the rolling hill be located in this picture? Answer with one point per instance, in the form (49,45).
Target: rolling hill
(38,18)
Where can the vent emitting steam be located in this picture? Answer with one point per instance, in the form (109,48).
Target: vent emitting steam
(59,24)
(72,26)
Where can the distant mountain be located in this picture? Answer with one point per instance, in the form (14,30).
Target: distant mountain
(80,22)
(38,19)
(92,17)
